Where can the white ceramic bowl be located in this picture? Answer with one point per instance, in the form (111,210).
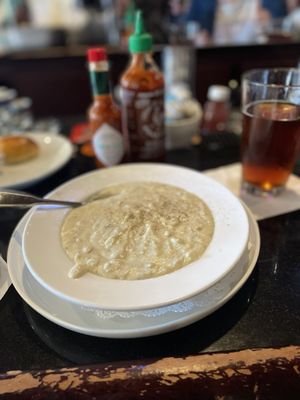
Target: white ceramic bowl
(179,132)
(49,264)
(128,324)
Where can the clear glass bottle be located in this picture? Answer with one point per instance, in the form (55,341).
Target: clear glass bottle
(6,97)
(21,115)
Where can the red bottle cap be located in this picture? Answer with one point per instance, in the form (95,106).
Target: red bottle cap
(97,54)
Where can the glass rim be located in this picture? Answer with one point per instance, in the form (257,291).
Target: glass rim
(246,77)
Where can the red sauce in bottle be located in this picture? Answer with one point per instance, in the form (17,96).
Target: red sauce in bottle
(107,142)
(216,110)
(142,86)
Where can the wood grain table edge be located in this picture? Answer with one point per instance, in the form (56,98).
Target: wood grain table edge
(247,374)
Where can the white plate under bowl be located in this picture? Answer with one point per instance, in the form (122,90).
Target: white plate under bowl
(54,152)
(49,264)
(4,278)
(123,324)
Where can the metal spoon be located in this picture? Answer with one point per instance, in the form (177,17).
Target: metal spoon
(16,199)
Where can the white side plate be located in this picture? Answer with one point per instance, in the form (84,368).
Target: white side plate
(54,152)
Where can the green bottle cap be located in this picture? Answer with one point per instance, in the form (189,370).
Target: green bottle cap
(140,41)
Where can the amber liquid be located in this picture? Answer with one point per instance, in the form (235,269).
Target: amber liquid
(270,143)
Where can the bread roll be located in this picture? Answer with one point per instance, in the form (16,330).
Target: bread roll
(16,149)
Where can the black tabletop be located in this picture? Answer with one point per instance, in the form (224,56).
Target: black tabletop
(264,313)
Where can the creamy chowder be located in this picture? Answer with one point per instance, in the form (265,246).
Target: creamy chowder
(137,230)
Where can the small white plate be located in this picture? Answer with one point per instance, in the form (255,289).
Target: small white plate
(49,264)
(54,152)
(123,325)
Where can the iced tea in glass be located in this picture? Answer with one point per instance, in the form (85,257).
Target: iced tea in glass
(271,128)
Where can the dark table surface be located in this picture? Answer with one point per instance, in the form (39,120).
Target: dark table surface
(264,313)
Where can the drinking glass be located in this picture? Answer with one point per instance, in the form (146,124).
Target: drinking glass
(271,128)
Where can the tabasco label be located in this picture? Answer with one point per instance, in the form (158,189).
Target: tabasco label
(108,145)
(143,123)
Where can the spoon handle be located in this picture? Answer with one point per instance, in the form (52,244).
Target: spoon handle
(12,198)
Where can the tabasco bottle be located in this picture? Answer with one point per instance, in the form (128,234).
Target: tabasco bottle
(142,97)
(107,142)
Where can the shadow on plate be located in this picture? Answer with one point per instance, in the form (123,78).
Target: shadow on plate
(193,339)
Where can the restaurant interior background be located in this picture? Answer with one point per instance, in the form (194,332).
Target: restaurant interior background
(45,88)
(198,43)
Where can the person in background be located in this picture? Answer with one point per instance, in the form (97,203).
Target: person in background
(155,13)
(280,8)
(237,16)
(203,12)
(14,12)
(177,11)
(57,14)
(177,28)
(239,21)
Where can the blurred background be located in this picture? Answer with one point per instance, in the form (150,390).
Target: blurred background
(36,23)
(198,44)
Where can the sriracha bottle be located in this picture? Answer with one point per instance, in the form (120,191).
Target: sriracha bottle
(142,97)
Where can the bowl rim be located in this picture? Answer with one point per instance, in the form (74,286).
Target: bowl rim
(227,245)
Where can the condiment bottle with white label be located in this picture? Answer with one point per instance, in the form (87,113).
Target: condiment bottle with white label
(107,141)
(142,97)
